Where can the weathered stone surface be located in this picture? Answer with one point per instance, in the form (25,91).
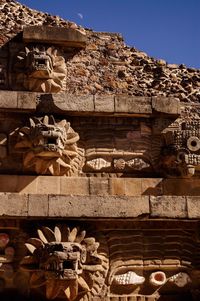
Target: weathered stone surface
(117,186)
(38,205)
(133,104)
(97,206)
(63,36)
(99,186)
(104,103)
(168,207)
(93,206)
(8,99)
(106,65)
(13,204)
(193,205)
(104,186)
(190,186)
(8,183)
(67,102)
(167,105)
(74,186)
(152,186)
(46,184)
(17,100)
(26,100)
(24,184)
(133,187)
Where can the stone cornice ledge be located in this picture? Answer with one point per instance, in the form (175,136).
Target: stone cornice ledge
(71,206)
(89,104)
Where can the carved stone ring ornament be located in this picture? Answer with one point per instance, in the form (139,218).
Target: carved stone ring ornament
(48,146)
(66,262)
(40,69)
(158,278)
(193,144)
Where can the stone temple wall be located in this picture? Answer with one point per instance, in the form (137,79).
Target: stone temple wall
(106,65)
(99,166)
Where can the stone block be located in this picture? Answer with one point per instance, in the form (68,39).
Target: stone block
(26,101)
(55,35)
(38,205)
(98,206)
(26,184)
(117,186)
(48,184)
(68,102)
(99,186)
(166,105)
(133,104)
(20,184)
(104,103)
(8,183)
(193,205)
(8,100)
(133,187)
(13,204)
(151,186)
(168,207)
(180,187)
(74,185)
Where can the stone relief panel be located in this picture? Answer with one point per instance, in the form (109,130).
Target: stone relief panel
(114,262)
(49,147)
(108,146)
(148,264)
(68,263)
(11,251)
(116,145)
(181,151)
(39,69)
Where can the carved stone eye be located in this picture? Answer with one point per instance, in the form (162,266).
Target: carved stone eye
(193,144)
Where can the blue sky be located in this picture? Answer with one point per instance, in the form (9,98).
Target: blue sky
(164,29)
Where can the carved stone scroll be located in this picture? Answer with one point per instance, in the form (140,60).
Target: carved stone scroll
(49,146)
(66,262)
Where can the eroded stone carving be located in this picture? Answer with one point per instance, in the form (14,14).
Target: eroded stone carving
(68,263)
(40,69)
(7,253)
(135,164)
(120,164)
(129,278)
(182,148)
(49,146)
(98,164)
(181,279)
(158,278)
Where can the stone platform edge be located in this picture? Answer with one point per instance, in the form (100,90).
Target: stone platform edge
(110,104)
(100,186)
(13,205)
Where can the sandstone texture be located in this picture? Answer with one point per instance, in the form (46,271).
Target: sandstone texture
(107,65)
